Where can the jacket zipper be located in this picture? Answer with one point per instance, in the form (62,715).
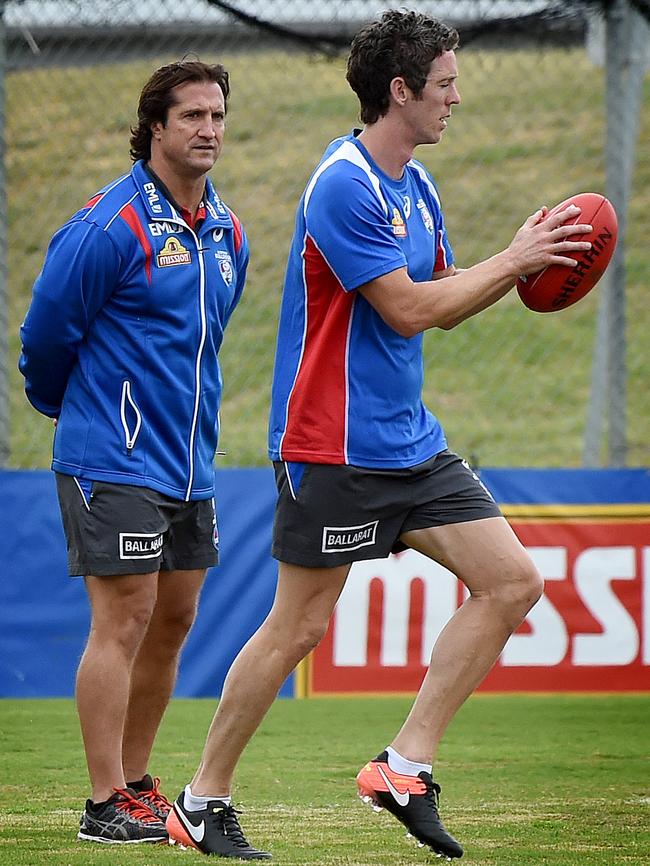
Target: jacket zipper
(199,356)
(197,368)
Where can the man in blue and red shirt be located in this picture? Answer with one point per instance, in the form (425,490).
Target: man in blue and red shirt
(362,466)
(347,386)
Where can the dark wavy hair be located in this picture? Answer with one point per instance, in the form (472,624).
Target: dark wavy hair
(156,98)
(400,43)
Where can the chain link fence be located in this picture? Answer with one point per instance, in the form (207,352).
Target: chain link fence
(510,386)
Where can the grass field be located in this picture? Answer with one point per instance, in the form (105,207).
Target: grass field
(527,781)
(511,387)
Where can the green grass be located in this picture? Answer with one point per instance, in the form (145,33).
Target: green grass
(510,386)
(527,781)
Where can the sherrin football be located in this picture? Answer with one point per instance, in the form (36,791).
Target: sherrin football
(557,286)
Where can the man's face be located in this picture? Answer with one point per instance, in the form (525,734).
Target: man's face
(429,113)
(189,143)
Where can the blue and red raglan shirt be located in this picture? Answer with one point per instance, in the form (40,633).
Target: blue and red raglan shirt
(347,388)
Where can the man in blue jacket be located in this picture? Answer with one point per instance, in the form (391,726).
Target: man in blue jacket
(120,348)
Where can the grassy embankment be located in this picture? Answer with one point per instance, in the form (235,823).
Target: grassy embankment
(510,386)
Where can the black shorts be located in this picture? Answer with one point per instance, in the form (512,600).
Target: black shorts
(333,515)
(123,529)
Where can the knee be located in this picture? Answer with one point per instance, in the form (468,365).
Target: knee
(125,631)
(309,635)
(532,587)
(521,591)
(174,625)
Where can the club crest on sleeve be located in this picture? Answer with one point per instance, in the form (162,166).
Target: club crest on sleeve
(426,216)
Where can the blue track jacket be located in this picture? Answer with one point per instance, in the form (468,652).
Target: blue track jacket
(121,339)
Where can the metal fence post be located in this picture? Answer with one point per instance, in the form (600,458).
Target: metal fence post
(625,52)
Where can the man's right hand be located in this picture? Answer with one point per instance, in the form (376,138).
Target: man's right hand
(542,241)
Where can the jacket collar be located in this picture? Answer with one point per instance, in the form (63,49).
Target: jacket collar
(158,206)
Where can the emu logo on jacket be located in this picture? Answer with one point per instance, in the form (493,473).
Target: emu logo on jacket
(173,253)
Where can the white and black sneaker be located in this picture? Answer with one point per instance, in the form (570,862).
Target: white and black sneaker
(122,819)
(413,800)
(213,830)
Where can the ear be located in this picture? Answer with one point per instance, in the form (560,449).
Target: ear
(156,128)
(399,90)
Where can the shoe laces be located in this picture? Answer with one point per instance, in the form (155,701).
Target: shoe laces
(153,797)
(432,792)
(134,808)
(228,823)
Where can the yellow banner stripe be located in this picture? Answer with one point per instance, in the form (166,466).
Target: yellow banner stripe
(635,511)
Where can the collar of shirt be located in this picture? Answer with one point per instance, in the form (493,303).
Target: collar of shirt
(192,221)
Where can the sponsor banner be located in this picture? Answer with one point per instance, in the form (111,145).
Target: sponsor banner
(589,632)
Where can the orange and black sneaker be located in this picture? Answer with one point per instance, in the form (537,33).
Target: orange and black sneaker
(122,819)
(413,800)
(147,791)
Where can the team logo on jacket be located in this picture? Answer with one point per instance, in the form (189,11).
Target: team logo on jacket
(225,266)
(220,206)
(426,216)
(163,228)
(341,538)
(153,197)
(398,224)
(173,253)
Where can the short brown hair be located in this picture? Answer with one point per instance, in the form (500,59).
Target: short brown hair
(156,98)
(400,43)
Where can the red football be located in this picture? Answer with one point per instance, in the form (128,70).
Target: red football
(557,286)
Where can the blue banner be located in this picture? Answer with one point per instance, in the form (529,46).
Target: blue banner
(44,615)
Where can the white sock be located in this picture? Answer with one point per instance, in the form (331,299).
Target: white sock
(398,764)
(195,804)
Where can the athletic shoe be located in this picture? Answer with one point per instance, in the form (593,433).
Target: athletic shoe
(413,800)
(147,792)
(213,830)
(122,819)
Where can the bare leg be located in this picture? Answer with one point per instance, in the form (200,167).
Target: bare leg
(121,609)
(304,602)
(504,584)
(156,664)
